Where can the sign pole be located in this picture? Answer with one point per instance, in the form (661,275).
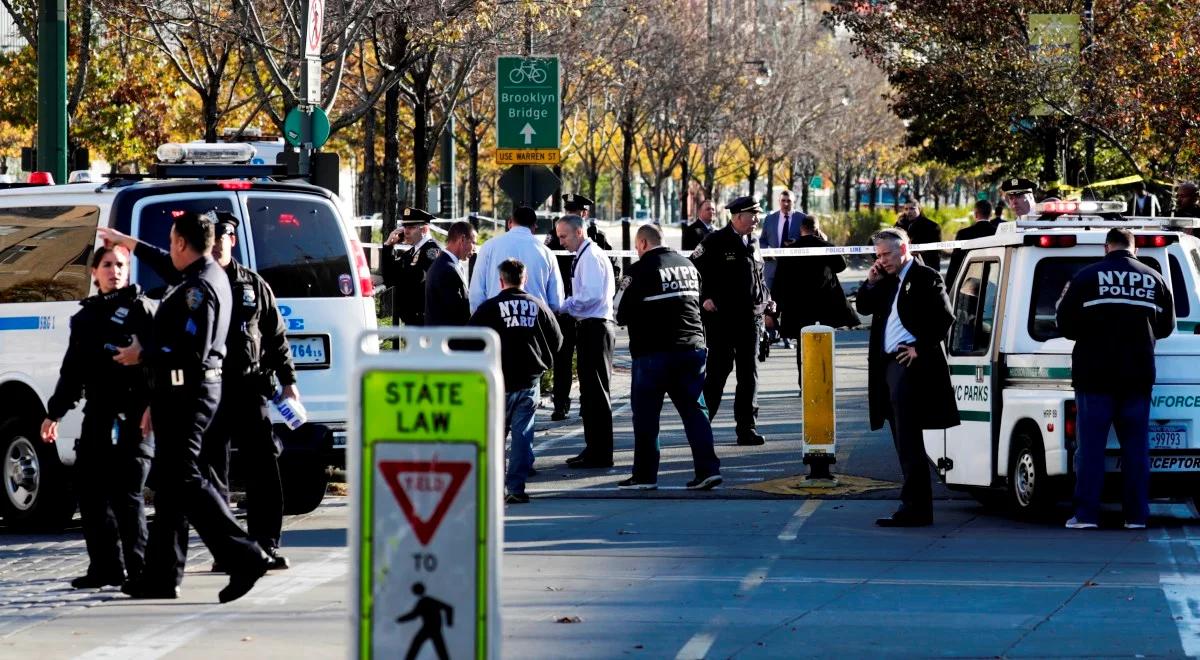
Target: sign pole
(310,79)
(426,460)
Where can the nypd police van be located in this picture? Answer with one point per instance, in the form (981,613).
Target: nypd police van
(1011,368)
(293,234)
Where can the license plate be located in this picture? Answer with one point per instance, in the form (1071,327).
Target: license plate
(309,351)
(1169,436)
(1161,463)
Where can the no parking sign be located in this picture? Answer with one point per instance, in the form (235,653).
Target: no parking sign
(425,473)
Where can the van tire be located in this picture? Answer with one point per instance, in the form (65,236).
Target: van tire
(1030,491)
(35,492)
(305,479)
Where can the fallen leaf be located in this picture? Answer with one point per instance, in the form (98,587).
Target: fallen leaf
(639,646)
(553,588)
(568,619)
(621,532)
(247,639)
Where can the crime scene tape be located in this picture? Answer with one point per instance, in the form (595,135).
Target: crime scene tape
(808,252)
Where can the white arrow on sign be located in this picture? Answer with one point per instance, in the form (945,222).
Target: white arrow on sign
(528,132)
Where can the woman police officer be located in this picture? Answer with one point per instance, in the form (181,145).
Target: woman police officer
(112,454)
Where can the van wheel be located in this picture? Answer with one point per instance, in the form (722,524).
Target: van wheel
(36,489)
(305,479)
(1029,489)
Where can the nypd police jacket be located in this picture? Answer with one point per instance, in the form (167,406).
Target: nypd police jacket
(659,301)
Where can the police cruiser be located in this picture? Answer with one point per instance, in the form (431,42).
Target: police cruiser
(293,234)
(1011,367)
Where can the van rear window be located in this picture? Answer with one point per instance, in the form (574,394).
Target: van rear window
(45,252)
(1049,279)
(299,249)
(154,227)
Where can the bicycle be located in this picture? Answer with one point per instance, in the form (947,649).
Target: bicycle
(528,70)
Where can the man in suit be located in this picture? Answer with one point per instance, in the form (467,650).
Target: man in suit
(446,301)
(1143,204)
(1186,201)
(780,229)
(908,382)
(983,227)
(405,271)
(701,227)
(921,229)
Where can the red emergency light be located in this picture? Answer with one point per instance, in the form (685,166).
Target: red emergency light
(1156,240)
(235,185)
(41,179)
(1051,241)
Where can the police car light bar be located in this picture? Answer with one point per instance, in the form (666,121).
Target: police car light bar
(1080,208)
(218,153)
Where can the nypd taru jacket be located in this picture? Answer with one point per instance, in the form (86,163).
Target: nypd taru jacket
(659,301)
(257,341)
(1115,310)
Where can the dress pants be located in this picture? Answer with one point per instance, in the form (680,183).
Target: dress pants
(110,477)
(680,376)
(729,344)
(562,363)
(184,493)
(916,496)
(595,339)
(242,421)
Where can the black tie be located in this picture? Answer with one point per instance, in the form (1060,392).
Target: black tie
(784,235)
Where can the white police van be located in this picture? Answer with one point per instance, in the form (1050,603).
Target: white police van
(293,234)
(1011,368)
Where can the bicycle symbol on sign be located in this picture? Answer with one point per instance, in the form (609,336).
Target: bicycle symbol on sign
(529,70)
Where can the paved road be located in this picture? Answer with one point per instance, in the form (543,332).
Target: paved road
(732,573)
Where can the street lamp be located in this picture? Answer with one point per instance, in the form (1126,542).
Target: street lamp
(763,75)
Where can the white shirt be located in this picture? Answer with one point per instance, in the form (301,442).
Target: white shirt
(592,284)
(895,333)
(460,266)
(543,280)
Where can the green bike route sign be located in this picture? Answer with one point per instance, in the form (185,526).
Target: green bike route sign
(528,110)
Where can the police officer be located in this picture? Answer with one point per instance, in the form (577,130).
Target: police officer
(581,206)
(405,271)
(659,303)
(257,354)
(112,456)
(1115,310)
(184,356)
(734,297)
(1018,194)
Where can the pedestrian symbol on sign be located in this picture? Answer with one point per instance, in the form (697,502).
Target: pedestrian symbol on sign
(429,609)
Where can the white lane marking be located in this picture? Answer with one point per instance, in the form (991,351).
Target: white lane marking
(1182,592)
(157,640)
(700,643)
(801,516)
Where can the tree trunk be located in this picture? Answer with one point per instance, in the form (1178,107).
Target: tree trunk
(684,186)
(474,202)
(391,159)
(896,193)
(366,196)
(211,116)
(752,176)
(836,182)
(593,179)
(627,137)
(556,201)
(770,184)
(421,155)
(873,191)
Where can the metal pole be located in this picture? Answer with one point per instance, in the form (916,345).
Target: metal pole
(446,189)
(52,89)
(1089,140)
(526,171)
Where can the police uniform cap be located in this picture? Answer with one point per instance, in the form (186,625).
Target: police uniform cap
(415,217)
(576,202)
(1017,185)
(743,205)
(224,223)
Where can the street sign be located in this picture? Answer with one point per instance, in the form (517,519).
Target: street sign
(426,468)
(544,183)
(293,126)
(314,25)
(528,110)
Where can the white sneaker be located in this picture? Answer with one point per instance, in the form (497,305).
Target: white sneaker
(1130,525)
(1074,523)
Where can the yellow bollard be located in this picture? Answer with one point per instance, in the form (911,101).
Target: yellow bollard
(820,420)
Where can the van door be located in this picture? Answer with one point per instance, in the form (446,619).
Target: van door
(975,298)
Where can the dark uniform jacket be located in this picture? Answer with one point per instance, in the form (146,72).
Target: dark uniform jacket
(446,300)
(104,322)
(258,344)
(1115,310)
(924,230)
(659,301)
(731,275)
(406,270)
(529,336)
(564,263)
(693,234)
(925,312)
(600,239)
(808,291)
(980,229)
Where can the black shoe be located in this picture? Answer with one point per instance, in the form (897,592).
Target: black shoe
(241,582)
(558,415)
(787,344)
(577,460)
(751,439)
(901,519)
(634,484)
(97,582)
(516,498)
(764,353)
(707,483)
(276,561)
(142,591)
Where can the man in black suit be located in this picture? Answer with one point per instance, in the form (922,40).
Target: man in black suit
(983,227)
(921,229)
(695,232)
(907,378)
(446,301)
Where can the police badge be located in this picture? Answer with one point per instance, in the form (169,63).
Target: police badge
(432,253)
(625,282)
(194,297)
(248,299)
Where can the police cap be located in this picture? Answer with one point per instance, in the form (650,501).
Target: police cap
(224,223)
(575,202)
(415,217)
(1017,185)
(743,205)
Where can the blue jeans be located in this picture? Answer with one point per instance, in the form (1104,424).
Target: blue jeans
(519,409)
(679,375)
(1130,414)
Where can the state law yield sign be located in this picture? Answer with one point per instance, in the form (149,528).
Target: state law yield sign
(528,110)
(426,480)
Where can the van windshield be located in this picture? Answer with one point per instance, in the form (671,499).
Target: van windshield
(299,248)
